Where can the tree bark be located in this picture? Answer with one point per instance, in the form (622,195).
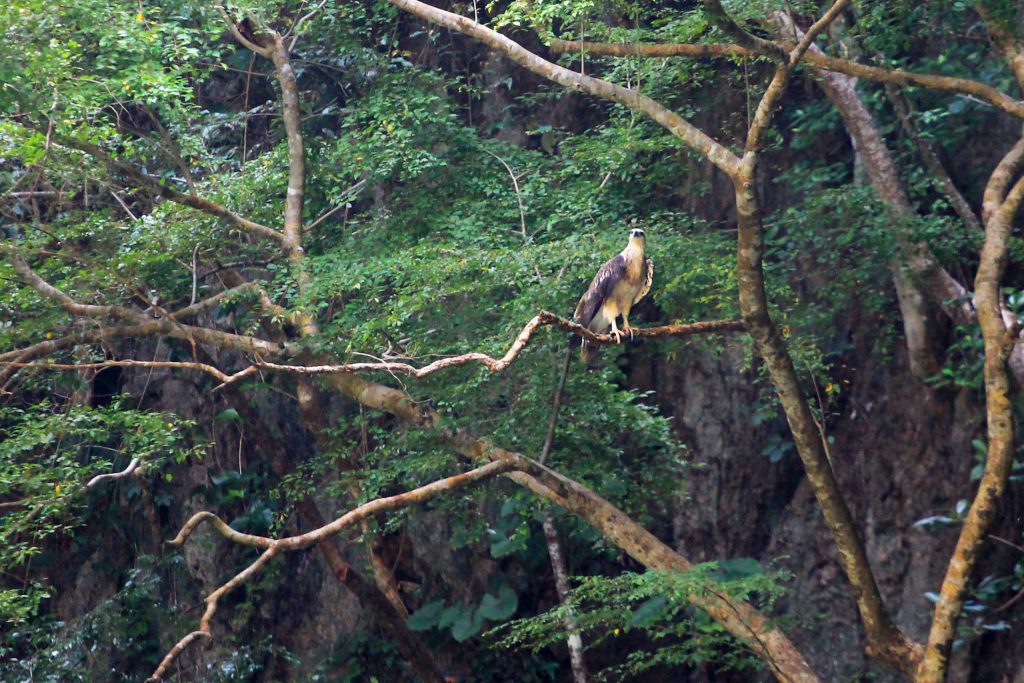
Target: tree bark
(999,342)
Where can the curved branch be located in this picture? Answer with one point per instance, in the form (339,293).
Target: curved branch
(999,180)
(884,637)
(23,357)
(237,35)
(739,618)
(498,364)
(273,547)
(99,478)
(212,602)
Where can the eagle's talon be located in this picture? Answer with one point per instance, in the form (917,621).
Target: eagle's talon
(616,335)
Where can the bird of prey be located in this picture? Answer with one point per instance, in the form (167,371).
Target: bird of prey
(620,283)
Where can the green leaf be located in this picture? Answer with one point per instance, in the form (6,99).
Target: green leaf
(449,616)
(425,617)
(739,568)
(647,613)
(467,625)
(501,607)
(229,414)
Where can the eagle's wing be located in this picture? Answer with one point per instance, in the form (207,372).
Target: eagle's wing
(648,279)
(600,289)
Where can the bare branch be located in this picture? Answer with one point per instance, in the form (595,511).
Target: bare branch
(201,367)
(519,195)
(292,543)
(497,365)
(99,478)
(212,602)
(738,617)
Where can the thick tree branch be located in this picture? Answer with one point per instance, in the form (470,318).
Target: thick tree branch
(999,180)
(916,273)
(378,606)
(739,618)
(690,135)
(14,359)
(1000,451)
(162,326)
(885,639)
(273,547)
(867,72)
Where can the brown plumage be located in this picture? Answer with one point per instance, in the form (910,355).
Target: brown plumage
(620,283)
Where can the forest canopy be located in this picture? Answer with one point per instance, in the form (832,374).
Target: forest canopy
(289,378)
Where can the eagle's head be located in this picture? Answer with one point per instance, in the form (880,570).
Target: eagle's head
(636,238)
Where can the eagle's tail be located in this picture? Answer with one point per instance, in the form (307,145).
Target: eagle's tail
(588,351)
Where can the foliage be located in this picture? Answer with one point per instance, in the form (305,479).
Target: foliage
(654,603)
(46,456)
(434,226)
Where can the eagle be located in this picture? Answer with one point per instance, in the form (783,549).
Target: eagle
(618,285)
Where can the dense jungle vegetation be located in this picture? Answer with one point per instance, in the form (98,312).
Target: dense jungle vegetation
(285,299)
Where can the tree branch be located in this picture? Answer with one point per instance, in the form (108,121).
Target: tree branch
(165,326)
(272,547)
(216,373)
(739,618)
(99,478)
(884,638)
(867,72)
(190,200)
(498,364)
(728,25)
(690,135)
(1000,452)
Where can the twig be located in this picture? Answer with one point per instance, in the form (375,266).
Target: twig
(202,367)
(355,189)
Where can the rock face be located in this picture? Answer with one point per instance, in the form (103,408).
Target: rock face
(902,452)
